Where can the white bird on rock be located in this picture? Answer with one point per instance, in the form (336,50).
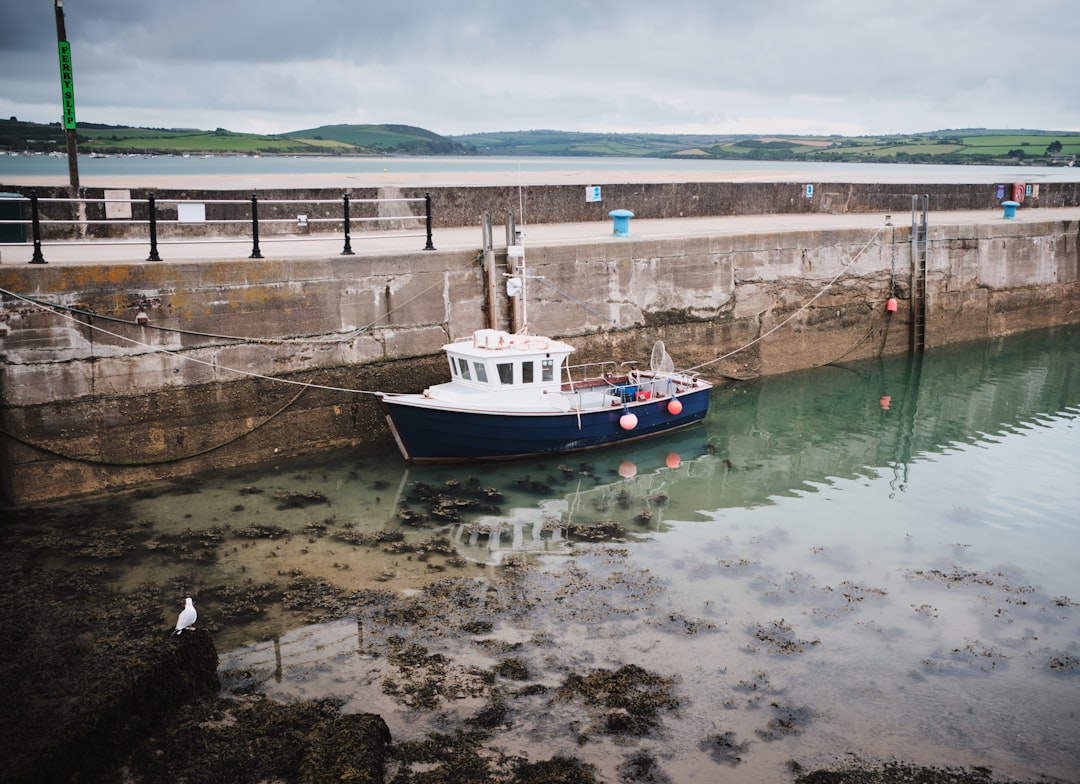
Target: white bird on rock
(187,616)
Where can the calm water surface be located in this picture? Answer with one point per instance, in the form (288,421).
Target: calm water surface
(880,558)
(138,166)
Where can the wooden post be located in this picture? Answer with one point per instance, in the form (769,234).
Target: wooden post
(67,92)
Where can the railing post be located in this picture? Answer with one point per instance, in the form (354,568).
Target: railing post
(152,208)
(347,251)
(35,226)
(427,206)
(255,253)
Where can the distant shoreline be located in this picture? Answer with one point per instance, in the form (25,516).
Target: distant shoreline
(289,171)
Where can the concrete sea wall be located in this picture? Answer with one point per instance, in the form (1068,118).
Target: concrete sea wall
(245,361)
(464,205)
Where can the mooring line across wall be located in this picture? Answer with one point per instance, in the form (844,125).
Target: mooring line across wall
(790,318)
(68,313)
(160,461)
(63,313)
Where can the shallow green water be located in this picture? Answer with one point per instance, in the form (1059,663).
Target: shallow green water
(887,550)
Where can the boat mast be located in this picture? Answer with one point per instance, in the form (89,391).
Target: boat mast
(515,284)
(518,248)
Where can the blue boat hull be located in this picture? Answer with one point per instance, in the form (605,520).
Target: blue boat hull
(427,434)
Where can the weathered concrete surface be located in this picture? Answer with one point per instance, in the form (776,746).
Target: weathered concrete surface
(463,205)
(91,408)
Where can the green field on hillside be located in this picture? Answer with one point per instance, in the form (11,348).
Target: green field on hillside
(141,140)
(976,146)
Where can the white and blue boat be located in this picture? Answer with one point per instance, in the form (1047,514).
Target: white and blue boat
(513,395)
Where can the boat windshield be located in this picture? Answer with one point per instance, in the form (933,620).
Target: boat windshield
(505,371)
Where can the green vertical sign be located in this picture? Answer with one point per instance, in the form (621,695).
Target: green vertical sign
(67,86)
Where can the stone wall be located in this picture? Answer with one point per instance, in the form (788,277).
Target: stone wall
(464,205)
(96,402)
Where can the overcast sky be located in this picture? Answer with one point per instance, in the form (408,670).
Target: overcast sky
(461,66)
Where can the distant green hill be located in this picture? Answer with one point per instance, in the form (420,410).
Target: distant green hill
(953,146)
(546,142)
(327,140)
(393,139)
(970,145)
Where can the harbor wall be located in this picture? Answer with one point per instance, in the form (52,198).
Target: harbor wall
(378,208)
(247,362)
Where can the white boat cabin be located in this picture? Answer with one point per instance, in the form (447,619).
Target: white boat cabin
(494,360)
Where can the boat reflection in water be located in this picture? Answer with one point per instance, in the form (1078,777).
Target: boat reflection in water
(883,554)
(762,441)
(618,492)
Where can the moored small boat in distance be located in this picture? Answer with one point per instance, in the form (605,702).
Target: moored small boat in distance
(514,395)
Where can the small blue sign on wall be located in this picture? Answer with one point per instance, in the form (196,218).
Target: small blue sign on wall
(809,191)
(592,193)
(1000,194)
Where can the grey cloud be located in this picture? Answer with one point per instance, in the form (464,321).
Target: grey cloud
(473,65)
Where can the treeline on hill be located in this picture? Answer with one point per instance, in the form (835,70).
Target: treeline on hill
(18,136)
(964,146)
(970,146)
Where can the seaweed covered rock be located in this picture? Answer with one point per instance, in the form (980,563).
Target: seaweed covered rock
(84,680)
(350,748)
(86,671)
(252,739)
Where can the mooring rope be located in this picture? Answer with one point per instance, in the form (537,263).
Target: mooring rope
(160,461)
(578,302)
(66,312)
(342,337)
(178,355)
(790,318)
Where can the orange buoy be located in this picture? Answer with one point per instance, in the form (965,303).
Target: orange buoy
(673,461)
(627,469)
(674,406)
(886,401)
(628,421)
(891,305)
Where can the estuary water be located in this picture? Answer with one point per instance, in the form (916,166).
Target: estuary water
(596,171)
(878,559)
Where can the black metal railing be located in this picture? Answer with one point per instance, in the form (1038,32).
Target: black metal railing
(190,226)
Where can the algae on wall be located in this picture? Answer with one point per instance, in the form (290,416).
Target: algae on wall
(86,409)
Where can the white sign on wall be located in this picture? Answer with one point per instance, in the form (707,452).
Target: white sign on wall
(592,193)
(117,205)
(191,212)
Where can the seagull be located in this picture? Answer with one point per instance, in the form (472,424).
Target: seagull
(187,616)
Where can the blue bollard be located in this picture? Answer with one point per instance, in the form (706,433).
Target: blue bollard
(1010,209)
(622,222)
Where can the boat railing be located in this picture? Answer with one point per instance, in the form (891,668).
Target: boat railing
(593,374)
(97,221)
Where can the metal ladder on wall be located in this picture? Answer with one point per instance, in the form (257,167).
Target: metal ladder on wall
(919,241)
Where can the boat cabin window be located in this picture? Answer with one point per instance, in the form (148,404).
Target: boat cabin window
(548,369)
(462,368)
(506,372)
(526,372)
(481,372)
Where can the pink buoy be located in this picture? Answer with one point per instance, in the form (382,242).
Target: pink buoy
(886,401)
(673,461)
(891,305)
(674,407)
(627,470)
(628,421)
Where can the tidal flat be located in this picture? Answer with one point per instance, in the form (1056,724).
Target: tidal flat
(812,587)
